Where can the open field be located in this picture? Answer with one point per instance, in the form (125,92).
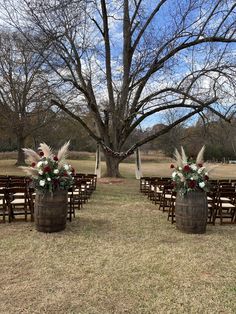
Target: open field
(127,169)
(119,255)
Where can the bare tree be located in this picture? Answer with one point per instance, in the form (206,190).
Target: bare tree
(128,60)
(24,90)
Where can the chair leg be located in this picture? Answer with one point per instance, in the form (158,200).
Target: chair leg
(172,214)
(213,217)
(70,211)
(25,207)
(31,208)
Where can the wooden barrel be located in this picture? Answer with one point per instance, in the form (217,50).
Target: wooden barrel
(191,212)
(50,211)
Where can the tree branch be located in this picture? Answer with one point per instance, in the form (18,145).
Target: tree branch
(71,114)
(161,132)
(107,53)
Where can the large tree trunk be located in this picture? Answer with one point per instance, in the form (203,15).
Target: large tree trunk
(112,164)
(20,153)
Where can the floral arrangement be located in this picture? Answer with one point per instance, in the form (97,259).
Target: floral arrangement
(49,171)
(189,175)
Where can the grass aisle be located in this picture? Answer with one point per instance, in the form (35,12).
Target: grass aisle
(120,255)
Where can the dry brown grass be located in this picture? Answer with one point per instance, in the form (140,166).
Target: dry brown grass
(120,255)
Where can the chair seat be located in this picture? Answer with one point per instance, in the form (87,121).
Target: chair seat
(227,205)
(19,194)
(18,201)
(225,199)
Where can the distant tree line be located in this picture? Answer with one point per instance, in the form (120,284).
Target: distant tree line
(218,136)
(60,129)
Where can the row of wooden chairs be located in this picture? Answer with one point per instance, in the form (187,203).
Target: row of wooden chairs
(17,196)
(78,195)
(221,198)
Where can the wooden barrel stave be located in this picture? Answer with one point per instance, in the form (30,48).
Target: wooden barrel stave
(50,211)
(191,212)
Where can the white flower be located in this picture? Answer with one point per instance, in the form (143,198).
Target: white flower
(42,182)
(200,170)
(55,171)
(193,167)
(174,174)
(191,178)
(180,168)
(201,184)
(45,162)
(40,172)
(182,179)
(66,167)
(39,164)
(49,179)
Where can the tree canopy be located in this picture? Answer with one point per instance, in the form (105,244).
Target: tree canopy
(124,61)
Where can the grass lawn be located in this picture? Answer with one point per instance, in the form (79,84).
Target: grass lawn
(119,255)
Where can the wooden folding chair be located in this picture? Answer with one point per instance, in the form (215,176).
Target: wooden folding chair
(159,186)
(226,206)
(166,196)
(77,197)
(19,203)
(144,184)
(152,188)
(211,203)
(93,178)
(71,204)
(4,209)
(171,209)
(4,181)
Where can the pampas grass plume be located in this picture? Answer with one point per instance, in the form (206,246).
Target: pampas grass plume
(199,159)
(184,157)
(178,158)
(63,152)
(31,155)
(47,151)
